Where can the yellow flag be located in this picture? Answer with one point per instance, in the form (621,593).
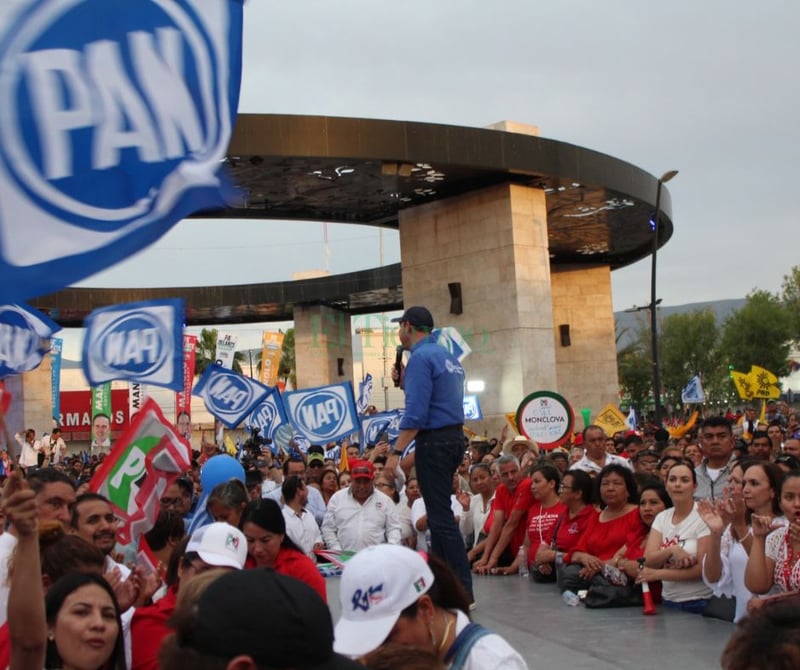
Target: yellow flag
(764,383)
(344,464)
(230,447)
(511,417)
(743,384)
(611,420)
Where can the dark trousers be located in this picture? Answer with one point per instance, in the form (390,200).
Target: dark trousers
(437,456)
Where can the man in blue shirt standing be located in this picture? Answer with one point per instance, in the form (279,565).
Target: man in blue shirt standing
(434,417)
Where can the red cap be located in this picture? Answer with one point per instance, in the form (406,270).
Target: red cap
(362,470)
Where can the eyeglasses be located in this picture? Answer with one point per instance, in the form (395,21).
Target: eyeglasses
(362,471)
(566,488)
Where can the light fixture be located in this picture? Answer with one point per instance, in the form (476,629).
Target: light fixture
(476,386)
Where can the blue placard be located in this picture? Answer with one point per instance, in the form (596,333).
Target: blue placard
(139,341)
(115,117)
(323,414)
(229,396)
(24,338)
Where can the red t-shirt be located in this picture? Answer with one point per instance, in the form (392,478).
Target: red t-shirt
(541,524)
(148,630)
(571,530)
(296,564)
(604,539)
(521,499)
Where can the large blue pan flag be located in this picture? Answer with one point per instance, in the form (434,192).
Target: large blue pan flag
(115,117)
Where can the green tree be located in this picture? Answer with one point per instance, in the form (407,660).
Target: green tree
(206,352)
(758,334)
(791,299)
(689,346)
(635,368)
(288,371)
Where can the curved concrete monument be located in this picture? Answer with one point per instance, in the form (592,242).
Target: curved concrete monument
(505,235)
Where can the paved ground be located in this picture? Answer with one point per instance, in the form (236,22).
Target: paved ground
(551,635)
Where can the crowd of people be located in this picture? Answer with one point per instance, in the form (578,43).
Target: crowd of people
(711,527)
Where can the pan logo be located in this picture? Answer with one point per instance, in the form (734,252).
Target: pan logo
(229,395)
(323,414)
(264,417)
(85,92)
(135,343)
(21,348)
(115,117)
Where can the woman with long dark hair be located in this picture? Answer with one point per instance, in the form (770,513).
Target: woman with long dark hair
(617,525)
(677,544)
(268,545)
(77,625)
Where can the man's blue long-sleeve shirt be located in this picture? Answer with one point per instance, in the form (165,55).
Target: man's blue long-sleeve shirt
(434,385)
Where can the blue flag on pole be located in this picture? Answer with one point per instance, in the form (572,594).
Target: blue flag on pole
(115,117)
(322,414)
(140,341)
(268,416)
(373,425)
(228,395)
(24,338)
(364,394)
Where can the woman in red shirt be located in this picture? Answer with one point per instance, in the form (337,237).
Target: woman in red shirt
(576,493)
(618,525)
(542,521)
(268,545)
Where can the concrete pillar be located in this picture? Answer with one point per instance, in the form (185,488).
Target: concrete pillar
(323,346)
(587,367)
(494,243)
(36,399)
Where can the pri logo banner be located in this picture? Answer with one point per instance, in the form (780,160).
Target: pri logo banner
(144,461)
(24,338)
(140,342)
(115,117)
(228,395)
(323,414)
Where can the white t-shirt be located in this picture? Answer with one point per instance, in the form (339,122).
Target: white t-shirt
(685,535)
(490,651)
(418,511)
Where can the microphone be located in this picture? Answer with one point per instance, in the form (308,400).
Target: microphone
(398,365)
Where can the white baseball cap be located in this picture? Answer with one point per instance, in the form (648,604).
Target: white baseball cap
(377,584)
(219,544)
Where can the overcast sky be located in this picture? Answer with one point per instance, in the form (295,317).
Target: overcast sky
(708,88)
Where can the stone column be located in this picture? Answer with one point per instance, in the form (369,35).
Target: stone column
(494,243)
(323,346)
(36,399)
(587,367)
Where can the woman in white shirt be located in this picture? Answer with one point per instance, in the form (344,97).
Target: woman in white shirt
(477,508)
(677,544)
(751,491)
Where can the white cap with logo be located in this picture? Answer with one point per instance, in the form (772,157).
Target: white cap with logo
(219,544)
(377,584)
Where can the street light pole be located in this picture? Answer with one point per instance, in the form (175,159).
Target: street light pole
(653,302)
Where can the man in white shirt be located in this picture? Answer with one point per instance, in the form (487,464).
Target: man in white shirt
(296,467)
(53,447)
(301,527)
(595,457)
(360,516)
(29,449)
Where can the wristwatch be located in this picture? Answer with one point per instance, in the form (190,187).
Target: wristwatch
(397,452)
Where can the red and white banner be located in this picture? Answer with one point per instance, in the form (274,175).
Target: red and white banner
(76,410)
(183,399)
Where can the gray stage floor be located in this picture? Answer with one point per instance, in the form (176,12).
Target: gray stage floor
(552,635)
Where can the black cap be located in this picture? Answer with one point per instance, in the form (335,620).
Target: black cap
(419,317)
(297,634)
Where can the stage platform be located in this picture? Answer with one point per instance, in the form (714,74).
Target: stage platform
(549,634)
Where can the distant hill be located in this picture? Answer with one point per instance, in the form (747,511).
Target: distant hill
(628,323)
